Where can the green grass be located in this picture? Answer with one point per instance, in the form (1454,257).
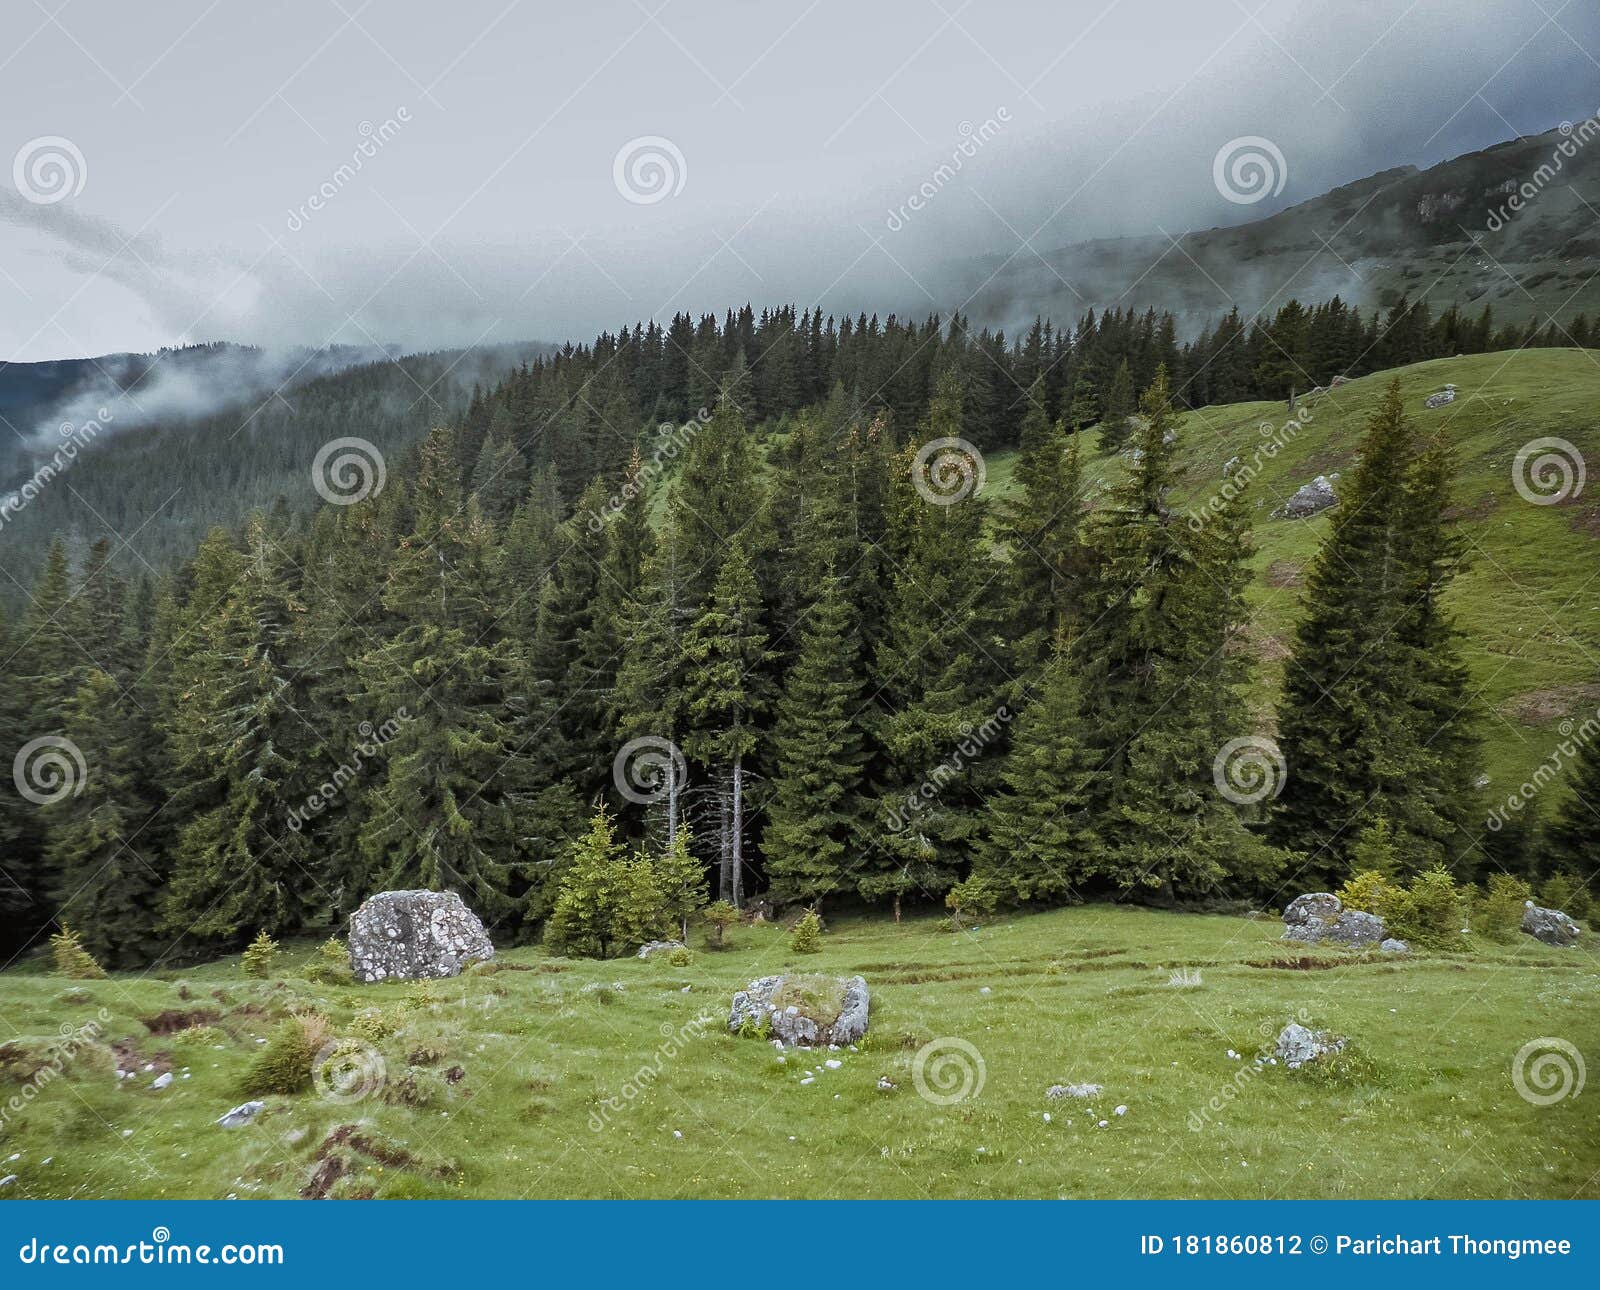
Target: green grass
(520,1082)
(1529,601)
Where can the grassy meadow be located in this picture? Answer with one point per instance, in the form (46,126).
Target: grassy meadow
(545,1077)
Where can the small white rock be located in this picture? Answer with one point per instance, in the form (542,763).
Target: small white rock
(677,1133)
(14,1156)
(8,1180)
(161,1080)
(985,990)
(1121,1110)
(833,1063)
(809,1079)
(1047,1117)
(127,1133)
(1103,1123)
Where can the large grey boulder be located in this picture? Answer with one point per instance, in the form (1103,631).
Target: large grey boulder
(1298,1045)
(1320,916)
(651,948)
(1549,925)
(1310,498)
(804,1010)
(415,935)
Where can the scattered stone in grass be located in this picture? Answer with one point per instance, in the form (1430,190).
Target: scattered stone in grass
(241,1115)
(127,1133)
(8,1180)
(833,1063)
(1121,1110)
(1102,1124)
(985,990)
(677,1133)
(1047,1117)
(1394,945)
(1297,1045)
(1549,925)
(161,1081)
(1058,1091)
(809,1079)
(887,1085)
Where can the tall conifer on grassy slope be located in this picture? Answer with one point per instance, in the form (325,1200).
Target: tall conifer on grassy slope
(108,884)
(726,699)
(1573,836)
(1374,718)
(240,866)
(816,814)
(442,816)
(1160,681)
(1039,841)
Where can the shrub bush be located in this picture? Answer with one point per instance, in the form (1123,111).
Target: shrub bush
(1497,913)
(681,957)
(284,1065)
(807,936)
(258,956)
(1432,913)
(71,959)
(1373,892)
(1564,892)
(721,916)
(331,966)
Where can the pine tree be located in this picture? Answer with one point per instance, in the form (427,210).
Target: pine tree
(442,816)
(1121,402)
(1374,683)
(109,883)
(581,922)
(239,864)
(816,817)
(1039,841)
(726,699)
(1572,837)
(681,879)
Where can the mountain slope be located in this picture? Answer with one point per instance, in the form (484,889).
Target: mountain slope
(1450,234)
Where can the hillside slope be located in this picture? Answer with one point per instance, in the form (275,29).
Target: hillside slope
(1448,234)
(1529,601)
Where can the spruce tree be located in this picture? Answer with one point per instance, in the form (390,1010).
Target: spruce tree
(1572,837)
(726,698)
(109,882)
(816,818)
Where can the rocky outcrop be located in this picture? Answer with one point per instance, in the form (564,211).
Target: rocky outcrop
(415,936)
(1298,1045)
(1549,925)
(1309,499)
(1319,916)
(1442,399)
(803,1010)
(651,948)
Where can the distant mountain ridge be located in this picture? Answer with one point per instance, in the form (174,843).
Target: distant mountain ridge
(1513,226)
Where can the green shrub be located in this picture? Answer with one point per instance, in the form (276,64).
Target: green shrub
(976,897)
(1432,913)
(1373,892)
(681,957)
(1564,892)
(1497,913)
(807,935)
(377,1023)
(284,1065)
(721,916)
(71,959)
(331,966)
(258,956)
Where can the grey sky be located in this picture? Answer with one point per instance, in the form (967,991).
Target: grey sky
(485,204)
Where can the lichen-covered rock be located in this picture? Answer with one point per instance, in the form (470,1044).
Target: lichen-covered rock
(1319,916)
(651,948)
(1310,498)
(803,1010)
(1297,1045)
(1549,925)
(1442,399)
(414,936)
(1395,946)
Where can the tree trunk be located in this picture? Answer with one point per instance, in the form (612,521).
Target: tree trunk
(897,907)
(736,836)
(725,867)
(672,801)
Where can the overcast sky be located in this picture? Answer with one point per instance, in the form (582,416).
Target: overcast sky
(470,161)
